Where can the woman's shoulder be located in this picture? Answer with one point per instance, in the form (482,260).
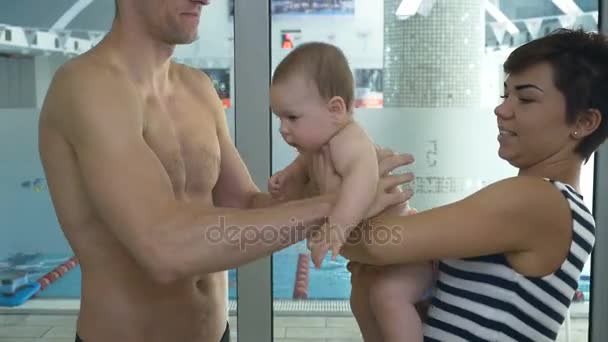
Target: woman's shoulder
(525,188)
(537,203)
(530,201)
(537,190)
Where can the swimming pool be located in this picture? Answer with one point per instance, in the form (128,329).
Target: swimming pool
(330,282)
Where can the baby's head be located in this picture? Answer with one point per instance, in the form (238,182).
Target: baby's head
(312,93)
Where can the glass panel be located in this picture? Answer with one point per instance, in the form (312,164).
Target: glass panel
(32,245)
(427,80)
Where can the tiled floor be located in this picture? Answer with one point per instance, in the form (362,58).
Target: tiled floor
(42,320)
(61,328)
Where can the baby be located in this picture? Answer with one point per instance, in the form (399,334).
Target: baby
(312,93)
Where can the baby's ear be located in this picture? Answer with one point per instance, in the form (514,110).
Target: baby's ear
(337,108)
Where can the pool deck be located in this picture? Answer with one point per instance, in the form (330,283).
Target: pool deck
(294,321)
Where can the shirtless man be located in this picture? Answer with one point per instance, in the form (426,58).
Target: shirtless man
(140,167)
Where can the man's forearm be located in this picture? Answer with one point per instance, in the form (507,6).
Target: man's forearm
(221,239)
(262,200)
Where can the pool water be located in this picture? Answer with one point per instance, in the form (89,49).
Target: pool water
(330,282)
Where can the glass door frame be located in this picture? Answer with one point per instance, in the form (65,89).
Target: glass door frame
(598,331)
(252,112)
(252,49)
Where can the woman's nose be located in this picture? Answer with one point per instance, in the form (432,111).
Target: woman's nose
(503,110)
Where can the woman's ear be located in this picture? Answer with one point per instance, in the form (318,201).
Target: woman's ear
(586,123)
(337,109)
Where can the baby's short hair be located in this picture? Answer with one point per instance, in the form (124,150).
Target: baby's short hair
(325,65)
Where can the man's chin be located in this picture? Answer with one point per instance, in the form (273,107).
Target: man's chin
(186,40)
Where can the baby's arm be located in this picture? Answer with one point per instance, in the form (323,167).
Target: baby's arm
(354,158)
(291,182)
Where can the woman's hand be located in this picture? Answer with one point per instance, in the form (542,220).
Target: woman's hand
(387,194)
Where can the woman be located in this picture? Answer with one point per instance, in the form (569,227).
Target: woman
(511,254)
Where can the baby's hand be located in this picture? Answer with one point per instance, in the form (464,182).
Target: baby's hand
(317,245)
(338,237)
(325,239)
(407,211)
(275,185)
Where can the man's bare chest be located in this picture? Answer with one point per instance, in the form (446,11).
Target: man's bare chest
(183,135)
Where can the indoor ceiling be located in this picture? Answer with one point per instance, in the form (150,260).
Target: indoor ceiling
(81,16)
(85,15)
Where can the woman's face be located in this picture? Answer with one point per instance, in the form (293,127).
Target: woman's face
(532,119)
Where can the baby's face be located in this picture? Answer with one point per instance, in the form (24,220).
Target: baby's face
(306,122)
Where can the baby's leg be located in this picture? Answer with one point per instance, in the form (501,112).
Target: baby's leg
(359,303)
(394,292)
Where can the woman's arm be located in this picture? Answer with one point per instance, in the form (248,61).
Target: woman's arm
(517,215)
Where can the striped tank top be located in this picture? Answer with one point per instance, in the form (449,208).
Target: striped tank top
(484,299)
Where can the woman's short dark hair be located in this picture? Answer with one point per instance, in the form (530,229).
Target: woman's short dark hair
(580,72)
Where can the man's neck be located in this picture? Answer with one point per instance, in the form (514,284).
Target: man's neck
(146,60)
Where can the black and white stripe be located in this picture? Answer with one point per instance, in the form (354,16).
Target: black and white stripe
(484,299)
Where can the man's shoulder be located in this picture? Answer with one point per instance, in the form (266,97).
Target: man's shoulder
(79,85)
(198,84)
(63,92)
(192,77)
(84,79)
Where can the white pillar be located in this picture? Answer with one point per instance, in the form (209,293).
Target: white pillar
(435,60)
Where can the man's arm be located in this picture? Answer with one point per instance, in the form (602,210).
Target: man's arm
(235,187)
(517,215)
(132,194)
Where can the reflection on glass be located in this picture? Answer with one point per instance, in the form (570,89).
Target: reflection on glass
(427,80)
(33,44)
(312,7)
